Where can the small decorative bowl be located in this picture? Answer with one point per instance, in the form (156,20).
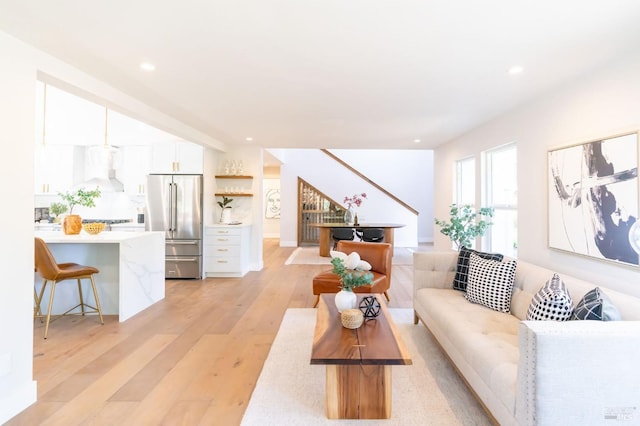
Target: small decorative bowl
(94,228)
(351,318)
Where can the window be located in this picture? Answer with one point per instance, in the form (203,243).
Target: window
(501,193)
(465,192)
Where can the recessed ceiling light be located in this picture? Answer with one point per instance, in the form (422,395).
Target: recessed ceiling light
(417,140)
(248,138)
(515,70)
(147,66)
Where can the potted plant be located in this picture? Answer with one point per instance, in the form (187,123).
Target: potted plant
(465,224)
(72,223)
(225,215)
(352,273)
(57,210)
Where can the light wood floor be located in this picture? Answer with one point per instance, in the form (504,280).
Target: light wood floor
(190,359)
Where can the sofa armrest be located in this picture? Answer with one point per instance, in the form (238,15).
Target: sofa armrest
(578,372)
(434,269)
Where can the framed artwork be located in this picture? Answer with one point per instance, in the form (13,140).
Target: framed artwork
(272,203)
(593,198)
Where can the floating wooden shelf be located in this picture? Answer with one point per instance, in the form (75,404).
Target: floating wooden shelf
(235,194)
(233,177)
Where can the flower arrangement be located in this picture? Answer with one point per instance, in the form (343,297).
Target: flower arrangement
(352,271)
(355,200)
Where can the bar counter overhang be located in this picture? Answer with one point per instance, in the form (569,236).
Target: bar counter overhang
(131,268)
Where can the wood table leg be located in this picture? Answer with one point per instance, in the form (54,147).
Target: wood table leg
(325,241)
(388,237)
(358,391)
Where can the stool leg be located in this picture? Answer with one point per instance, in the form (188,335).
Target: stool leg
(39,307)
(95,295)
(81,298)
(387,296)
(317,301)
(53,290)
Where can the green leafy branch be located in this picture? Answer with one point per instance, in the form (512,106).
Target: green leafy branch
(350,278)
(81,197)
(465,224)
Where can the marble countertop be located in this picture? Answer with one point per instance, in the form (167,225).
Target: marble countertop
(103,237)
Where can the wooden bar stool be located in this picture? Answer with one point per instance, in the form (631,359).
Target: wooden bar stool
(53,272)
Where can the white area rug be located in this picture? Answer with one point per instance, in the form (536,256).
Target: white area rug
(310,256)
(290,391)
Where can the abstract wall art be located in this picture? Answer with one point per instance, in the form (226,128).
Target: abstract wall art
(593,198)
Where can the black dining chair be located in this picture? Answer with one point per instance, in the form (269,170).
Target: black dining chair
(371,235)
(341,234)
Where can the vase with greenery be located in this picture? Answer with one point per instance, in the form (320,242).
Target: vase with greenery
(57,210)
(72,223)
(465,224)
(225,215)
(350,278)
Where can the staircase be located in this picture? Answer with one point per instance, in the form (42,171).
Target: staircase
(315,207)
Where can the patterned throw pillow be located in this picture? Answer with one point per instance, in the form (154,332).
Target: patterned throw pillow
(595,305)
(462,268)
(490,282)
(551,303)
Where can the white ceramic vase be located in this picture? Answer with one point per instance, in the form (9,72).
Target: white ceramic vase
(226,216)
(345,300)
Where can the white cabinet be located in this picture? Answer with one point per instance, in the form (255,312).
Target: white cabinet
(56,168)
(134,168)
(177,157)
(226,250)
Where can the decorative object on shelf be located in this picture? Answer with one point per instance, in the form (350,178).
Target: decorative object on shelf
(57,210)
(355,220)
(94,228)
(351,318)
(353,273)
(72,223)
(464,225)
(350,215)
(593,198)
(225,216)
(370,307)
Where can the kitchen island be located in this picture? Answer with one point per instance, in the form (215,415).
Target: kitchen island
(131,268)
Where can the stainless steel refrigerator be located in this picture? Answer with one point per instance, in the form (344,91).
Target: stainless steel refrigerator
(174,205)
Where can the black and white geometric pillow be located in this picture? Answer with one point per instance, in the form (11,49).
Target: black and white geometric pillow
(552,302)
(462,268)
(595,305)
(491,282)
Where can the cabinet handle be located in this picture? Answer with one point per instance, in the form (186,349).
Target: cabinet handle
(223,250)
(223,239)
(223,232)
(222,261)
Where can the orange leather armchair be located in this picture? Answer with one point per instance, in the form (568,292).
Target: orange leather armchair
(379,257)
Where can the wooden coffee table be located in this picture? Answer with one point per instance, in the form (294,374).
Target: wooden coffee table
(358,362)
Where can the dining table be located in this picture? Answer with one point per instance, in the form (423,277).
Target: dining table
(325,232)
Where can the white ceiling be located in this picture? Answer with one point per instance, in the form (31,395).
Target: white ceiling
(331,73)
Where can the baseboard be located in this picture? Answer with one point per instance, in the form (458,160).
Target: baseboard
(19,399)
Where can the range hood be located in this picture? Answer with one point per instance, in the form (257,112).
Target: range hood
(100,168)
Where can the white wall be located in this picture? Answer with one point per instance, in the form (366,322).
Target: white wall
(598,105)
(17,118)
(336,182)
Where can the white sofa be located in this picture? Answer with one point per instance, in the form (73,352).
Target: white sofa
(545,373)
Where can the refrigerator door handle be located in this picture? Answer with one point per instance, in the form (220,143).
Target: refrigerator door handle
(174,207)
(183,243)
(170,207)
